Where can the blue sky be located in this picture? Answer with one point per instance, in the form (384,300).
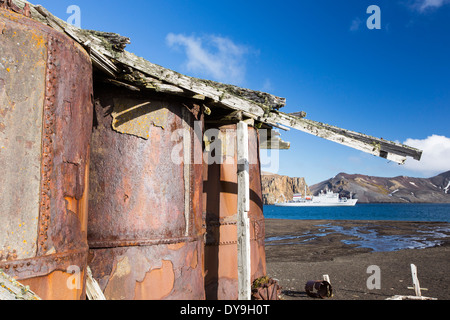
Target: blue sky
(320,55)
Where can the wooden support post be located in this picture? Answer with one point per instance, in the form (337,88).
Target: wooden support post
(416,283)
(243,223)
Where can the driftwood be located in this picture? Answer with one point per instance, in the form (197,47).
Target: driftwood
(399,297)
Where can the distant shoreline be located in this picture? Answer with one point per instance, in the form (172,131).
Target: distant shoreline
(374,211)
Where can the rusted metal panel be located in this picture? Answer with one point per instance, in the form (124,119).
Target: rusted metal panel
(23,58)
(10,5)
(220,206)
(151,272)
(143,192)
(265,288)
(46,112)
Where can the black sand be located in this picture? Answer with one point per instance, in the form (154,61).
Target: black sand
(301,257)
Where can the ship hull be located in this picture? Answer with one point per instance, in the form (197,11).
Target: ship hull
(349,203)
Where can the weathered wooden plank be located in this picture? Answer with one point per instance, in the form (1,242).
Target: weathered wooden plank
(270,139)
(93,291)
(10,289)
(415,279)
(379,147)
(187,151)
(399,297)
(301,114)
(243,222)
(196,85)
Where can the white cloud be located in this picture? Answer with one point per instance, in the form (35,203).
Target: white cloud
(436,155)
(423,5)
(356,24)
(212,56)
(267,86)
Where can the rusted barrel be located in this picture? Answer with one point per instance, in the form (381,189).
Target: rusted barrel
(319,289)
(145,218)
(220,206)
(45,129)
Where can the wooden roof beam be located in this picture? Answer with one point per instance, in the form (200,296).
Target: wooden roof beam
(376,146)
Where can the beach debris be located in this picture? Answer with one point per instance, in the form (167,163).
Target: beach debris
(265,288)
(399,297)
(319,289)
(416,287)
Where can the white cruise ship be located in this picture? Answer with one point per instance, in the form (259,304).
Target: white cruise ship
(324,199)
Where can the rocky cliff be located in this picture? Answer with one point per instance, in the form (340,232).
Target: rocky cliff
(401,189)
(276,188)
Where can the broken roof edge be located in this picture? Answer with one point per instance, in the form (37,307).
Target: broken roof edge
(380,147)
(110,59)
(108,53)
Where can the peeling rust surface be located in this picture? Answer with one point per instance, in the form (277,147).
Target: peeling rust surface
(46,111)
(136,117)
(54,285)
(142,208)
(220,205)
(150,272)
(23,56)
(9,4)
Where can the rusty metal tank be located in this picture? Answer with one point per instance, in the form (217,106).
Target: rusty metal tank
(45,128)
(145,231)
(220,206)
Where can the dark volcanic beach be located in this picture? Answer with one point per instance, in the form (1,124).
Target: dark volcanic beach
(301,250)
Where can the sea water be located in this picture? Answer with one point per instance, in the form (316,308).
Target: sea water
(365,236)
(396,212)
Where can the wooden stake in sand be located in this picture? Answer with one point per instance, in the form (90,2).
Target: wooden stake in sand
(416,288)
(415,280)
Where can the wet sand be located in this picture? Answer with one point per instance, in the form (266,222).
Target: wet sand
(301,250)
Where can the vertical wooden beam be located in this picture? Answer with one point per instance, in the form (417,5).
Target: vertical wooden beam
(187,168)
(243,223)
(415,279)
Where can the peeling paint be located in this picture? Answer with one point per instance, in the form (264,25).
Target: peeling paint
(136,117)
(21,149)
(176,246)
(123,268)
(157,284)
